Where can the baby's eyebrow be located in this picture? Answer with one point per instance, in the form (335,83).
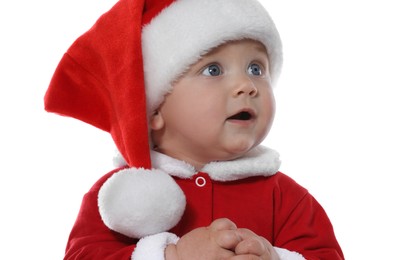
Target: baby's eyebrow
(261,48)
(211,52)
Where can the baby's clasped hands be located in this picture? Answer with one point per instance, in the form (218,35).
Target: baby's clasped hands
(221,240)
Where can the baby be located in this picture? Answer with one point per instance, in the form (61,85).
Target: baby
(186,90)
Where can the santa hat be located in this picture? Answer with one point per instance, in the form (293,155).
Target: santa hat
(116,74)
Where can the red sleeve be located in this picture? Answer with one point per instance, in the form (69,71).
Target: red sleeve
(305,227)
(90,238)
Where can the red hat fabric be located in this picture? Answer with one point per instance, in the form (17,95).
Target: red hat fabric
(100,79)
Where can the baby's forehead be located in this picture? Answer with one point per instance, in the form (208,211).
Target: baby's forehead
(253,44)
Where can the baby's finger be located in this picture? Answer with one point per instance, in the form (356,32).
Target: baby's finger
(222,224)
(244,257)
(224,233)
(253,244)
(245,233)
(227,239)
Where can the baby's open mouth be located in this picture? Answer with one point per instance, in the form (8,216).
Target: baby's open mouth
(244,115)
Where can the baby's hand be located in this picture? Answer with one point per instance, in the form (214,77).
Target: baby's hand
(253,246)
(217,241)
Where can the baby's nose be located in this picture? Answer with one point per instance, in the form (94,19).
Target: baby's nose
(245,86)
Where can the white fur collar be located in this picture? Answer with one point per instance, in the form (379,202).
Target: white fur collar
(260,161)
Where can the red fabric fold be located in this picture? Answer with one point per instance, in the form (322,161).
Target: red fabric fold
(100,81)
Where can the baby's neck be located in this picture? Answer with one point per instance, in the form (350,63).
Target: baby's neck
(197,164)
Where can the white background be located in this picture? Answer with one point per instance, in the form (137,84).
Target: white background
(333,126)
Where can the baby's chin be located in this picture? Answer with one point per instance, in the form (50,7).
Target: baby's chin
(236,152)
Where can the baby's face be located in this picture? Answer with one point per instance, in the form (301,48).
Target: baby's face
(220,108)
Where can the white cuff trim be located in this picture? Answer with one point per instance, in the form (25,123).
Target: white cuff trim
(153,247)
(285,254)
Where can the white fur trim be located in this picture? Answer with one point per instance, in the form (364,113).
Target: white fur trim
(188,29)
(172,166)
(139,202)
(285,254)
(260,161)
(153,247)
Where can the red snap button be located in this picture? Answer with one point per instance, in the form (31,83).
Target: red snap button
(200,181)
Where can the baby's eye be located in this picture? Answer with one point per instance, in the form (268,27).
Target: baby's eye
(212,70)
(255,70)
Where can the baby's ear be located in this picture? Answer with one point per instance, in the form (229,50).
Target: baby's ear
(156,121)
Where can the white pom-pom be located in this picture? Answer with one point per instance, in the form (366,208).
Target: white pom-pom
(139,202)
